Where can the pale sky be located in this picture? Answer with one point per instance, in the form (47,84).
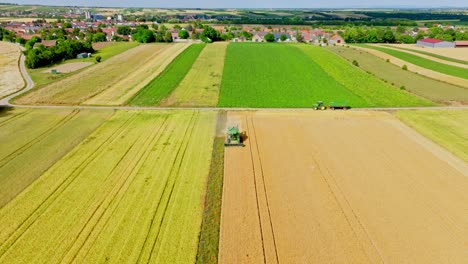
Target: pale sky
(249,3)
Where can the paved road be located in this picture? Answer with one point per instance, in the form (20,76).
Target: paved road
(30,84)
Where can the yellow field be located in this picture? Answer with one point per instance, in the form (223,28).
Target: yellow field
(10,75)
(200,86)
(121,92)
(130,192)
(84,85)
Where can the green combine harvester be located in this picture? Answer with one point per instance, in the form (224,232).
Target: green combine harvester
(233,137)
(333,105)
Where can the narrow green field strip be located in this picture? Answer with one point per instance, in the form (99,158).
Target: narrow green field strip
(200,87)
(163,85)
(275,75)
(374,91)
(431,89)
(448,128)
(133,190)
(208,247)
(432,55)
(422,62)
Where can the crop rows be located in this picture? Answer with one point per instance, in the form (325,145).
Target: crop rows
(429,88)
(200,87)
(132,191)
(79,87)
(422,62)
(374,91)
(163,85)
(35,146)
(271,75)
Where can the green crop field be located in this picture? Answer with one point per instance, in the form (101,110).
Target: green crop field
(273,75)
(163,85)
(30,147)
(132,191)
(374,91)
(422,62)
(429,88)
(430,54)
(448,128)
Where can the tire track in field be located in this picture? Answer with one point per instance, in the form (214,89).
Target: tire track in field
(42,207)
(334,189)
(14,117)
(191,128)
(265,190)
(149,143)
(256,193)
(166,188)
(37,139)
(115,209)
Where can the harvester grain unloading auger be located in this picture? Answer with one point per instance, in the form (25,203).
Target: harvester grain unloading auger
(234,137)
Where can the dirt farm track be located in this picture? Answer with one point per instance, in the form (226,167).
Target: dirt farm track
(341,187)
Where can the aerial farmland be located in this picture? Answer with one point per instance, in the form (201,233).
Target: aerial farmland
(223,152)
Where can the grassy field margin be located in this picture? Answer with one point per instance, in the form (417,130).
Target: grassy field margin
(429,54)
(208,245)
(448,128)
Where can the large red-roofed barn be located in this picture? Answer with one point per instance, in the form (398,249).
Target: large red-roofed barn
(435,43)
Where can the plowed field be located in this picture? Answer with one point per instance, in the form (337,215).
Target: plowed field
(341,187)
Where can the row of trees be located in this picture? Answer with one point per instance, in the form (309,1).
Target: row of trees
(65,49)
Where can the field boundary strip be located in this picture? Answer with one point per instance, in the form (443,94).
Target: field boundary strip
(118,194)
(54,194)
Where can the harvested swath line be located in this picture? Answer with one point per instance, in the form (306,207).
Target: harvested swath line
(122,91)
(169,79)
(9,237)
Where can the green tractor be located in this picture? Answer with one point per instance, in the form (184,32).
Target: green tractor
(333,105)
(233,137)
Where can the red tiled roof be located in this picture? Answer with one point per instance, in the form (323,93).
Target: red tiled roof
(430,40)
(461,43)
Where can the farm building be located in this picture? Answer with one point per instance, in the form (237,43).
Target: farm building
(336,39)
(435,43)
(461,44)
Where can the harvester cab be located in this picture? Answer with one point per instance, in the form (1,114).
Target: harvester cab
(233,137)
